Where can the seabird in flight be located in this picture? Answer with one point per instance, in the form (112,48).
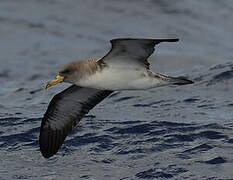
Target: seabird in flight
(124,67)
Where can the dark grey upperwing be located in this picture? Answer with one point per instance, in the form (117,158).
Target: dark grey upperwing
(132,52)
(64,112)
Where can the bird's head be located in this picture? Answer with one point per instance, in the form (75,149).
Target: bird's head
(68,73)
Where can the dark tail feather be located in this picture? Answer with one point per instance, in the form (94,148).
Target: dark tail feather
(171,80)
(181,81)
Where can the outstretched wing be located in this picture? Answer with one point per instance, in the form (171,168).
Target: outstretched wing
(64,112)
(132,52)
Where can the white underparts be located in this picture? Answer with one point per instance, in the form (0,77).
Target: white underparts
(121,79)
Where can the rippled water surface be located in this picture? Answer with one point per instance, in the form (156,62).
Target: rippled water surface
(183,132)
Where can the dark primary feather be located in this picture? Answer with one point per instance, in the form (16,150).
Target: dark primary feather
(127,50)
(64,112)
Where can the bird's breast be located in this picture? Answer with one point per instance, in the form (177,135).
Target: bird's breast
(116,79)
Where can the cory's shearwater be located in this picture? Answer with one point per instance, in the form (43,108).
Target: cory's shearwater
(124,67)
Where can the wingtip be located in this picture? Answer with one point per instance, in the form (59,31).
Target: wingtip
(49,142)
(157,40)
(47,152)
(175,40)
(46,156)
(169,40)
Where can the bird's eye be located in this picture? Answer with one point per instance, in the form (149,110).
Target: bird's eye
(65,71)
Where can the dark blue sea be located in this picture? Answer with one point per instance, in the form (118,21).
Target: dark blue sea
(175,133)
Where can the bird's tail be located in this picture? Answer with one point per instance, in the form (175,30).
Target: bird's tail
(173,80)
(181,81)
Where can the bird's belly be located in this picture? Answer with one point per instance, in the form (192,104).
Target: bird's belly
(117,79)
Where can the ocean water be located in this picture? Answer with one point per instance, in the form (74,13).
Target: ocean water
(183,132)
